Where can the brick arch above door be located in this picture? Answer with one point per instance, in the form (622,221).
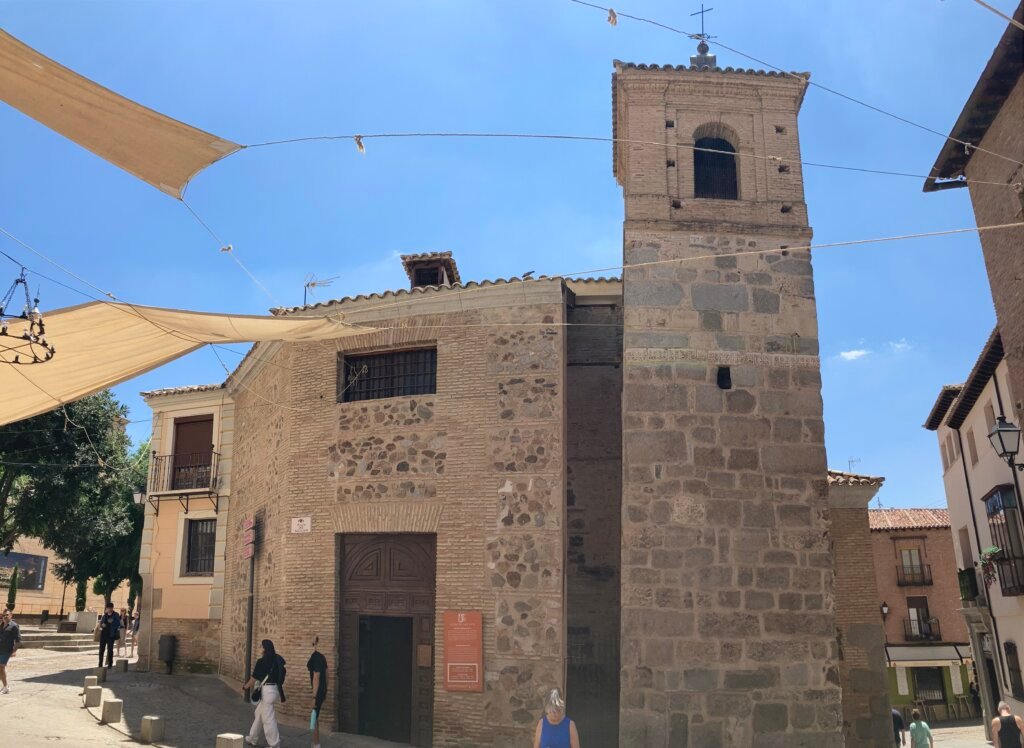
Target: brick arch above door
(386,518)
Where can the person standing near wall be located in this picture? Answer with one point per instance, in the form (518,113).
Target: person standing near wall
(10,640)
(317,667)
(555,730)
(110,626)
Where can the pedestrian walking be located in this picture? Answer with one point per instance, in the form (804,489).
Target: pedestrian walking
(10,641)
(920,733)
(899,727)
(135,633)
(122,634)
(1007,728)
(109,626)
(975,697)
(317,667)
(555,730)
(268,678)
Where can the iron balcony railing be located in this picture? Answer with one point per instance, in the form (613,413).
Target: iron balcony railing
(1011,575)
(968,580)
(907,576)
(183,472)
(917,629)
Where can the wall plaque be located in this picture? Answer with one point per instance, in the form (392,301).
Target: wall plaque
(463,651)
(302,524)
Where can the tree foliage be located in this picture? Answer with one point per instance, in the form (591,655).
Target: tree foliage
(12,591)
(67,478)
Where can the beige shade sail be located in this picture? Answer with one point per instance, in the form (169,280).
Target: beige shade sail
(155,148)
(102,344)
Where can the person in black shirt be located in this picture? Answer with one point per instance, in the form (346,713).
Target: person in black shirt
(1007,728)
(899,727)
(10,640)
(110,626)
(269,676)
(317,667)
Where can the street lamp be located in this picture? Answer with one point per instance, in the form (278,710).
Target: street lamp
(1005,438)
(139,497)
(884,607)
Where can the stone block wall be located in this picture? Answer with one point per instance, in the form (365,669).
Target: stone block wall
(594,506)
(198,645)
(996,204)
(480,464)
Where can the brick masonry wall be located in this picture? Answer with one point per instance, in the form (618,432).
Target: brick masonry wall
(728,623)
(943,594)
(1004,261)
(594,506)
(197,650)
(480,463)
(862,660)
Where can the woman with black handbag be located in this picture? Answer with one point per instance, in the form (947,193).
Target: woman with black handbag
(267,683)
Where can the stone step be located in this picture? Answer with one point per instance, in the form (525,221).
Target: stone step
(90,647)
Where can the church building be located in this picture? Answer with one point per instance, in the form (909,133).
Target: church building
(614,486)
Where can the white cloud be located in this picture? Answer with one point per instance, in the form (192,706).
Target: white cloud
(853,355)
(900,346)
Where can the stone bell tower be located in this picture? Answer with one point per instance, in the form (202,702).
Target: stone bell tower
(728,622)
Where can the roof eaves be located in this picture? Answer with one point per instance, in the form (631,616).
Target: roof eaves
(186,389)
(983,370)
(996,82)
(947,395)
(841,478)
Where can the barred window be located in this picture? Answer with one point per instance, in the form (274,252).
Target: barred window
(1004,525)
(200,538)
(393,374)
(714,172)
(1013,665)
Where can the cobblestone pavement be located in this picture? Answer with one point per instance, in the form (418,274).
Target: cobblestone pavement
(44,707)
(960,736)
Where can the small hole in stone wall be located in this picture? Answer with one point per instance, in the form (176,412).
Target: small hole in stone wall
(783,168)
(677,204)
(670,163)
(724,378)
(780,129)
(787,208)
(670,123)
(785,253)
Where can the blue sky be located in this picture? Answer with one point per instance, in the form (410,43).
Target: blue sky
(256,71)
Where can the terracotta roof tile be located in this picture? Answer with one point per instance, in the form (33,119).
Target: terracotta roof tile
(839,478)
(445,258)
(620,65)
(182,390)
(908,519)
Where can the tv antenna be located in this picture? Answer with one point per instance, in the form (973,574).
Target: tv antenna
(312,282)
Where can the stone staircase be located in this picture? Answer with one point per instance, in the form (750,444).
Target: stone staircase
(46,637)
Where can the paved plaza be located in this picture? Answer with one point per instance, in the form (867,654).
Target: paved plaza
(44,707)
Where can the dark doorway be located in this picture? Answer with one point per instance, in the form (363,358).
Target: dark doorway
(993,686)
(385,677)
(714,169)
(386,642)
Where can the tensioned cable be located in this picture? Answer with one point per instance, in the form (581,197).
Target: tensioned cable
(1000,13)
(802,78)
(598,139)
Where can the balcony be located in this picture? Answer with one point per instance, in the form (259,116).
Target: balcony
(183,476)
(968,580)
(917,630)
(913,576)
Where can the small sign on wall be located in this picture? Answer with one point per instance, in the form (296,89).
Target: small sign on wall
(302,524)
(463,651)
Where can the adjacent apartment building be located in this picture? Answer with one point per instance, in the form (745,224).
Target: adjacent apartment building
(926,637)
(613,486)
(984,498)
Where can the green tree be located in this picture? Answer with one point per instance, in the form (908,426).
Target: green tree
(80,595)
(12,591)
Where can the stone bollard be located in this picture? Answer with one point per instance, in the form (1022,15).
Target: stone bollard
(230,740)
(121,665)
(101,674)
(111,713)
(152,729)
(93,695)
(91,680)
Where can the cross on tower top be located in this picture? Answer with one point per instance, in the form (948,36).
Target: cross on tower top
(702,59)
(701,13)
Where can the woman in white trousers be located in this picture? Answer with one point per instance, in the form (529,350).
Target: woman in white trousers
(268,675)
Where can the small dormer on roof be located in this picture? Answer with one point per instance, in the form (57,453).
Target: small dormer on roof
(431,269)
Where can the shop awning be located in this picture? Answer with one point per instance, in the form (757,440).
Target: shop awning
(153,147)
(101,344)
(925,656)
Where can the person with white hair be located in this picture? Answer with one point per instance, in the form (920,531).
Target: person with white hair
(555,730)
(1007,728)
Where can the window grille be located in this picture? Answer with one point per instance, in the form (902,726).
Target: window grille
(1004,525)
(380,375)
(201,539)
(714,174)
(1013,665)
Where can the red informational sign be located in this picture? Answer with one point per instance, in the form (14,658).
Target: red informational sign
(463,651)
(249,523)
(249,537)
(248,551)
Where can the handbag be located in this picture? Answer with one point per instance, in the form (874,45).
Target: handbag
(257,692)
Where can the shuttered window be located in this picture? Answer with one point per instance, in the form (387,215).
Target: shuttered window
(201,537)
(1013,665)
(714,170)
(381,375)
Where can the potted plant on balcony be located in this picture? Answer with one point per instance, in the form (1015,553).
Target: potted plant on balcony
(988,565)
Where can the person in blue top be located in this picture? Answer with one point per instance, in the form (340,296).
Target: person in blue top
(555,730)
